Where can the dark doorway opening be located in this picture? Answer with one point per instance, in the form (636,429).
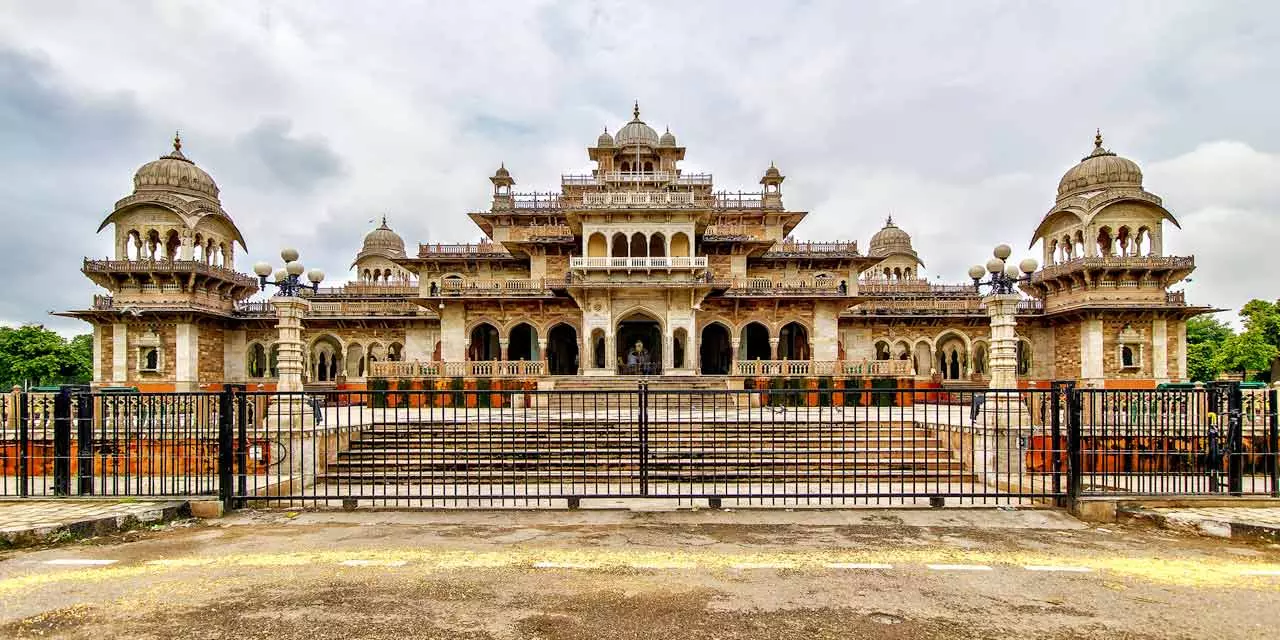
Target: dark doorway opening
(716,350)
(562,350)
(639,347)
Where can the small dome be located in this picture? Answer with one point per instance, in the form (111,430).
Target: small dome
(605,140)
(174,171)
(636,132)
(500,173)
(1099,169)
(772,172)
(667,139)
(383,241)
(890,239)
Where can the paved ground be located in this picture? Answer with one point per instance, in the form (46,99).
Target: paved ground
(27,522)
(617,574)
(1224,522)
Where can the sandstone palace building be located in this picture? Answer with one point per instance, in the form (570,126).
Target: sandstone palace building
(638,268)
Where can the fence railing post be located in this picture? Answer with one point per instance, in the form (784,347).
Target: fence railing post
(226,431)
(1273,440)
(1235,440)
(84,444)
(21,412)
(1057,449)
(1075,459)
(642,395)
(242,445)
(62,442)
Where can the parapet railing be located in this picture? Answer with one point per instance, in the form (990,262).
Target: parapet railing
(169,266)
(838,368)
(474,368)
(457,287)
(696,262)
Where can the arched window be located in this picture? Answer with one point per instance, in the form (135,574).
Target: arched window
(484,343)
(638,245)
(597,246)
(882,350)
(680,246)
(522,343)
(626,166)
(755,342)
(657,245)
(619,245)
(678,343)
(256,361)
(648,167)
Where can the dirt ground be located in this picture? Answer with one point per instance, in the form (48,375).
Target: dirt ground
(617,574)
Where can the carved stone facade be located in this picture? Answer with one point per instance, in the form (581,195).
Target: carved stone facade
(639,268)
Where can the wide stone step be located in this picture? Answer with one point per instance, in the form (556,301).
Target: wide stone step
(653,449)
(630,476)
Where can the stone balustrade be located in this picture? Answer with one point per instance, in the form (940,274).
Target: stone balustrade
(469,369)
(696,262)
(837,368)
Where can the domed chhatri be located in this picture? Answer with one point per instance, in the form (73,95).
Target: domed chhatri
(889,239)
(668,139)
(1101,168)
(383,241)
(636,132)
(174,171)
(605,140)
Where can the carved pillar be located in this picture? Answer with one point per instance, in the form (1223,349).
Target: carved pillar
(1003,358)
(733,356)
(289,313)
(773,347)
(542,355)
(503,350)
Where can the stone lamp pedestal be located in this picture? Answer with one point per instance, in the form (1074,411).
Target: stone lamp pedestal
(288,409)
(1003,406)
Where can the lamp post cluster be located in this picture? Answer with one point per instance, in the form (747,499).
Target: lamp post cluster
(290,309)
(1002,305)
(288,280)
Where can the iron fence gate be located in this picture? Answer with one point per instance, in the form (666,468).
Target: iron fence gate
(820,443)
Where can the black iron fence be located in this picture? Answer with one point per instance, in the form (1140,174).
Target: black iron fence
(808,444)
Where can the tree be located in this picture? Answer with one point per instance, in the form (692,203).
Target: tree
(1207,329)
(1248,351)
(1205,335)
(1263,317)
(34,355)
(1202,365)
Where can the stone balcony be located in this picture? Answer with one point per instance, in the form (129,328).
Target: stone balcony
(639,199)
(641,264)
(488,288)
(835,368)
(469,369)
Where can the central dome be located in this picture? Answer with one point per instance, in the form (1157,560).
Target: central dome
(890,239)
(383,241)
(1098,170)
(173,171)
(636,132)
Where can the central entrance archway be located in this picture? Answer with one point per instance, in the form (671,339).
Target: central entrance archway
(639,343)
(715,350)
(562,350)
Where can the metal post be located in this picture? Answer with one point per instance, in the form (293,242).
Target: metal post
(242,444)
(84,443)
(1075,461)
(1273,440)
(62,442)
(24,444)
(226,403)
(1235,440)
(1055,448)
(643,397)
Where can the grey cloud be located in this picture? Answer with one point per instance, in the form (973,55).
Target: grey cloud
(269,156)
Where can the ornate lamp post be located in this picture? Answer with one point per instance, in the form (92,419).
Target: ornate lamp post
(1002,305)
(290,309)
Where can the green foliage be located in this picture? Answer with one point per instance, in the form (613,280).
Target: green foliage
(1202,365)
(34,355)
(1263,318)
(1207,329)
(1248,351)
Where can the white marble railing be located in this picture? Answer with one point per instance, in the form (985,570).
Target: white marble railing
(638,199)
(476,369)
(869,368)
(698,262)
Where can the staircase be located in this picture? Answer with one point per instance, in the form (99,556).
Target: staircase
(692,393)
(683,449)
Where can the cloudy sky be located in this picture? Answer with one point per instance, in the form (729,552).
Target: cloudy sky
(315,117)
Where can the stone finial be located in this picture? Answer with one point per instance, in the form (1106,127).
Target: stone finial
(177,142)
(635,112)
(1097,139)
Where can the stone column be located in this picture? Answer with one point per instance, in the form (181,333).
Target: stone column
(289,313)
(503,349)
(735,356)
(1160,350)
(186,362)
(1091,352)
(119,353)
(542,355)
(668,352)
(773,347)
(1003,357)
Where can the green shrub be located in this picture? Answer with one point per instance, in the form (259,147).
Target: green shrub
(378,393)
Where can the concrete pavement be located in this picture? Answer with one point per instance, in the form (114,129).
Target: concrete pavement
(615,574)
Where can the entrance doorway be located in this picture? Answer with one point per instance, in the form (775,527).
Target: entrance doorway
(639,346)
(484,343)
(716,350)
(562,350)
